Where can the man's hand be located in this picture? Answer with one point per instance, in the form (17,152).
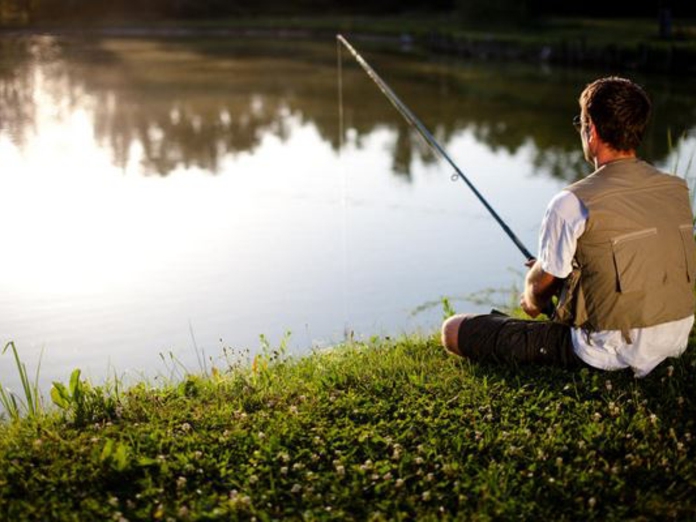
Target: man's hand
(539,287)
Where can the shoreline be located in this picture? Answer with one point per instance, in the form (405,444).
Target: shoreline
(384,430)
(567,43)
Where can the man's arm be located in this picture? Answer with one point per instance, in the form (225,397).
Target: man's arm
(539,287)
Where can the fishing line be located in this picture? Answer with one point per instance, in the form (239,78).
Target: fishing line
(427,136)
(344,194)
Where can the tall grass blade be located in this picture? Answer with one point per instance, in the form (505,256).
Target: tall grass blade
(35,386)
(32,398)
(199,356)
(9,403)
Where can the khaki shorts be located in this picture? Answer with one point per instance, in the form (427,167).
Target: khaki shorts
(500,338)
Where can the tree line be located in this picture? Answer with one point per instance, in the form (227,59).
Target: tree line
(38,11)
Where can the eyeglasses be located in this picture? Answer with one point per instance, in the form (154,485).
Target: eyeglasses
(577,122)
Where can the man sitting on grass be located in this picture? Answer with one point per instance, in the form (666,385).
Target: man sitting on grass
(617,245)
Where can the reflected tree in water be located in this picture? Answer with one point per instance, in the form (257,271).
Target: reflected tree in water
(181,103)
(17,85)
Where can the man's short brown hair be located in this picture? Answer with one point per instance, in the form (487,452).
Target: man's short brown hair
(619,109)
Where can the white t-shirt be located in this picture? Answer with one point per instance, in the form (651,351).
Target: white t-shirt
(563,223)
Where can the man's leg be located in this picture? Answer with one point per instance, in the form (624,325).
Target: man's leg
(450,332)
(500,338)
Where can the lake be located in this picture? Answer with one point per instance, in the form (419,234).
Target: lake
(190,198)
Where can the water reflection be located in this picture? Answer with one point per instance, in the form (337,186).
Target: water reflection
(164,104)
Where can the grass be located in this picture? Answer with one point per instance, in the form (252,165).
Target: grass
(389,429)
(13,404)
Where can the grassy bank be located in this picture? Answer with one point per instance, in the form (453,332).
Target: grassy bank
(384,430)
(624,44)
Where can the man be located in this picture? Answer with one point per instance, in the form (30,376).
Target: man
(617,245)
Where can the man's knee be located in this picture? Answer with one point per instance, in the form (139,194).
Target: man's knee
(450,333)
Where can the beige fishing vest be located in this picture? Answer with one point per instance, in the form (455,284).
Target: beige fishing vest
(635,264)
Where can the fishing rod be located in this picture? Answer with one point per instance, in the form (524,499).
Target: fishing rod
(430,140)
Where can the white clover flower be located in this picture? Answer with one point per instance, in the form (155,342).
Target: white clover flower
(367,466)
(296,488)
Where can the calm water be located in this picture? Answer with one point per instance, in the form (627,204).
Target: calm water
(164,195)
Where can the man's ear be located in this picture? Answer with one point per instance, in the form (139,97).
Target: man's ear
(588,131)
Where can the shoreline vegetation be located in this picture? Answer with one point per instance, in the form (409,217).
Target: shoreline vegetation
(386,429)
(628,44)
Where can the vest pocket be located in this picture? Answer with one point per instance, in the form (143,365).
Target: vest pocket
(687,236)
(636,259)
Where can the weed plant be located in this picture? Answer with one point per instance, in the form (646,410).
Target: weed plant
(12,403)
(378,430)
